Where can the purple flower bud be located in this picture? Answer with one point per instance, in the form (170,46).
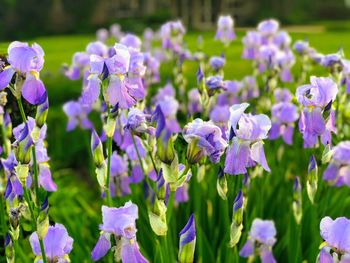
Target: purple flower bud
(301,47)
(187,241)
(199,75)
(238,202)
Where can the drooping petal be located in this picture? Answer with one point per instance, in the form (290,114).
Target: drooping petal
(33,90)
(258,155)
(5,77)
(101,248)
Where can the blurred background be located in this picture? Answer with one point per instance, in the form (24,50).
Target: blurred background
(22,19)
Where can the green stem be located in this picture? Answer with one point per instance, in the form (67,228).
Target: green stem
(3,213)
(42,250)
(36,181)
(170,206)
(27,198)
(109,155)
(20,105)
(36,185)
(153,162)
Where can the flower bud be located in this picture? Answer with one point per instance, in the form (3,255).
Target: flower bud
(237,219)
(42,225)
(23,149)
(41,113)
(312,180)
(187,241)
(157,218)
(165,150)
(109,126)
(297,200)
(194,153)
(22,172)
(221,184)
(327,154)
(101,174)
(97,149)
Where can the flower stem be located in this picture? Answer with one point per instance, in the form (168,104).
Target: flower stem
(42,250)
(109,155)
(36,186)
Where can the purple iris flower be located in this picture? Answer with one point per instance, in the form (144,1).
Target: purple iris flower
(301,46)
(214,82)
(27,61)
(282,39)
(172,34)
(77,115)
(251,42)
(167,91)
(225,31)
(131,41)
(247,132)
(125,72)
(230,95)
(285,61)
(262,237)
(115,31)
(268,27)
(136,121)
(152,68)
(338,170)
(316,98)
(97,48)
(80,61)
(119,222)
(102,35)
(336,234)
(284,114)
(220,115)
(249,88)
(217,63)
(206,139)
(331,60)
(120,181)
(195,102)
(57,243)
(346,74)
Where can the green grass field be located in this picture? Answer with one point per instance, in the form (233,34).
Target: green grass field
(77,203)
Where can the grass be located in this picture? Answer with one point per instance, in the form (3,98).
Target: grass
(77,202)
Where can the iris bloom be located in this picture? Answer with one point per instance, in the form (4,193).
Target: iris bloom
(338,171)
(57,243)
(119,222)
(317,98)
(77,115)
(262,236)
(225,31)
(27,61)
(336,234)
(247,132)
(204,139)
(172,34)
(284,114)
